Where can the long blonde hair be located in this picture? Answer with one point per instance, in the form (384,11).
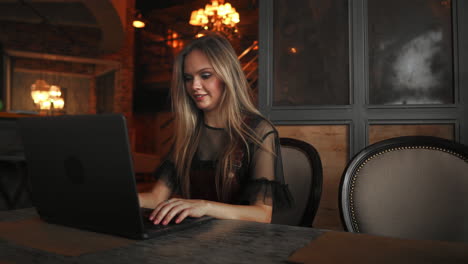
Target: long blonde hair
(236,103)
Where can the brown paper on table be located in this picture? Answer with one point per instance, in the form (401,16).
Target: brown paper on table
(344,247)
(35,233)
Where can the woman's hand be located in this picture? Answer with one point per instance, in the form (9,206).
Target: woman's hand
(178,209)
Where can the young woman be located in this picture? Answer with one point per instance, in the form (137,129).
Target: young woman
(225,160)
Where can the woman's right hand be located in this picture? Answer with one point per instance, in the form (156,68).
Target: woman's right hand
(178,209)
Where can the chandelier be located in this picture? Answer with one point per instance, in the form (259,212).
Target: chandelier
(45,96)
(217,16)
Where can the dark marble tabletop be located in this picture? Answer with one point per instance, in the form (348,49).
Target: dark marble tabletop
(217,241)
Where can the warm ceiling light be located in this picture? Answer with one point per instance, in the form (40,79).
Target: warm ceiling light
(173,39)
(138,24)
(199,35)
(58,103)
(45,96)
(138,21)
(216,16)
(293,50)
(40,92)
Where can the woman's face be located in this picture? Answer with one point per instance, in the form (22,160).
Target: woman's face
(201,81)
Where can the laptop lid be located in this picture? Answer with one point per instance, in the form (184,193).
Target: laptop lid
(81,172)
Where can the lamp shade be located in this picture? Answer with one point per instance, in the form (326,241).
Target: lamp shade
(40,91)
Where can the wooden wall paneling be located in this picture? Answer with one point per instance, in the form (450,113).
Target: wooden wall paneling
(381,132)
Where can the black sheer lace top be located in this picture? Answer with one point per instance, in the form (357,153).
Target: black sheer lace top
(259,176)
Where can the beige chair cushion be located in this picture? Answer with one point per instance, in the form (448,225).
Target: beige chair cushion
(412,193)
(298,176)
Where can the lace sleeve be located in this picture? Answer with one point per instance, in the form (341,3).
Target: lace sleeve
(265,183)
(167,173)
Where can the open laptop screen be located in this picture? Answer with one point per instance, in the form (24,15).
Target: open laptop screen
(81,173)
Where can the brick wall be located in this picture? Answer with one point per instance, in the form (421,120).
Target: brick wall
(45,38)
(79,42)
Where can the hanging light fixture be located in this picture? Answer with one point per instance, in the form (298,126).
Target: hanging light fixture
(47,97)
(138,21)
(40,94)
(217,16)
(55,97)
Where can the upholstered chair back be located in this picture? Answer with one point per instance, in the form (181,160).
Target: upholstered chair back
(408,187)
(303,173)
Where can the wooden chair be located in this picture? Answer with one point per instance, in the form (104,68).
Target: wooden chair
(303,174)
(410,187)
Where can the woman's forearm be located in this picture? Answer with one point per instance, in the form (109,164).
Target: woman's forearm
(148,200)
(177,209)
(258,213)
(159,193)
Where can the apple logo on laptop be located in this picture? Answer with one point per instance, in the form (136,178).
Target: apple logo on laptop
(74,170)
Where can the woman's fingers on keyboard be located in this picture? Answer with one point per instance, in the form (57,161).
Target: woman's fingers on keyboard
(181,217)
(161,211)
(174,213)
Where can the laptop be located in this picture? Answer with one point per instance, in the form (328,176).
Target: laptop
(81,173)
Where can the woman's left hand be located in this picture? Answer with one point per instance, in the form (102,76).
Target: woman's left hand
(178,209)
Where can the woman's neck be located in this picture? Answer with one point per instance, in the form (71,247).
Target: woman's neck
(213,120)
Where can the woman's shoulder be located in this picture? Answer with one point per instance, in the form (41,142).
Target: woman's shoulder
(260,125)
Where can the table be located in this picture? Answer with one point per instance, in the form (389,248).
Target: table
(14,191)
(218,241)
(231,241)
(12,197)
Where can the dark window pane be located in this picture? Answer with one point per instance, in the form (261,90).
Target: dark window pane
(410,52)
(311,58)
